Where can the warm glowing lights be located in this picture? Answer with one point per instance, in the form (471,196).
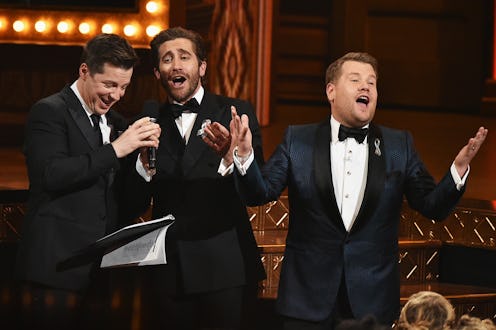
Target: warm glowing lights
(107,28)
(75,27)
(84,28)
(18,26)
(152,30)
(130,30)
(63,27)
(151,7)
(40,26)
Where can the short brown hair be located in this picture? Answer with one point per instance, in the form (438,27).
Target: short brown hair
(333,71)
(175,33)
(108,48)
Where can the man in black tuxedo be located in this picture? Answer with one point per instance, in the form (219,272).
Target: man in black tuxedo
(213,260)
(73,154)
(346,178)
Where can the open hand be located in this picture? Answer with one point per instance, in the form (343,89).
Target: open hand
(468,152)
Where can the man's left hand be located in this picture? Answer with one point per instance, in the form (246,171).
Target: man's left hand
(219,139)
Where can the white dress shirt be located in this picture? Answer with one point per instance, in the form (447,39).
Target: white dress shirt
(349,161)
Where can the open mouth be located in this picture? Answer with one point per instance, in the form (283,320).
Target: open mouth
(107,103)
(178,81)
(363,99)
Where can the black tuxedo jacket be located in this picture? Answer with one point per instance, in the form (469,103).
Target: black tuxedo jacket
(72,193)
(211,244)
(319,251)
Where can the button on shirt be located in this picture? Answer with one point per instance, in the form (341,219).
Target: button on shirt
(349,161)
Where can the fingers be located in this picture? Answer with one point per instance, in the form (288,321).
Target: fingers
(234,113)
(217,137)
(146,131)
(475,143)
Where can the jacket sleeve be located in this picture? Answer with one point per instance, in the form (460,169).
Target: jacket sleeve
(56,153)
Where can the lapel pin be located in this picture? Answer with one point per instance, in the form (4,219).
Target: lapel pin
(201,131)
(377,144)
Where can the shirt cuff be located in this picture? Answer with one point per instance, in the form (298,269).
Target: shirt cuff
(242,163)
(459,182)
(225,169)
(142,171)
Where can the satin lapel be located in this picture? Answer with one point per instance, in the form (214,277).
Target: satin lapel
(116,125)
(209,109)
(170,139)
(80,117)
(375,176)
(323,176)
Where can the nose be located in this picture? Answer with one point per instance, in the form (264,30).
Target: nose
(116,94)
(363,86)
(175,64)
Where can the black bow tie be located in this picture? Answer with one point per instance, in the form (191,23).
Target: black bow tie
(190,106)
(358,134)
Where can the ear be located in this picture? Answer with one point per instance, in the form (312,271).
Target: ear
(156,73)
(330,92)
(203,68)
(84,71)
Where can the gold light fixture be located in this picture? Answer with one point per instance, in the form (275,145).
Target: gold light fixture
(76,27)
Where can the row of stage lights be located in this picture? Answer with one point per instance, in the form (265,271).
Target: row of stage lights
(66,26)
(136,26)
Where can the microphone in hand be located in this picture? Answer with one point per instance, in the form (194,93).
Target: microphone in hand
(152,152)
(151,109)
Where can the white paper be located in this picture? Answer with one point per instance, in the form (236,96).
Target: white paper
(148,249)
(139,224)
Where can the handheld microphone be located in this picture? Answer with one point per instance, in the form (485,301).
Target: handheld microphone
(151,109)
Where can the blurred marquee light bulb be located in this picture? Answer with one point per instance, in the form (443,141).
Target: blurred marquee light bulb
(18,26)
(40,26)
(84,28)
(107,28)
(152,30)
(63,27)
(151,7)
(130,30)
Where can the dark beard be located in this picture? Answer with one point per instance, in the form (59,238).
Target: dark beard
(180,98)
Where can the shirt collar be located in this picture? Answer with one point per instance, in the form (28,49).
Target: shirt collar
(85,106)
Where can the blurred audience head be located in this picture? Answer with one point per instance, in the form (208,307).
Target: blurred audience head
(467,322)
(367,323)
(427,310)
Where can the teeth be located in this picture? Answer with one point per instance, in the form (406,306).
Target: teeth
(363,99)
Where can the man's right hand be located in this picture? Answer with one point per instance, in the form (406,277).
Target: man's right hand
(142,133)
(241,133)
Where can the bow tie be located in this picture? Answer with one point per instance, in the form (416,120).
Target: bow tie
(190,106)
(358,134)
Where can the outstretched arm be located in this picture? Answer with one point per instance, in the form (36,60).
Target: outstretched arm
(468,152)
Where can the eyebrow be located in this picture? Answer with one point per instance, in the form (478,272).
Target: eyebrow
(358,74)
